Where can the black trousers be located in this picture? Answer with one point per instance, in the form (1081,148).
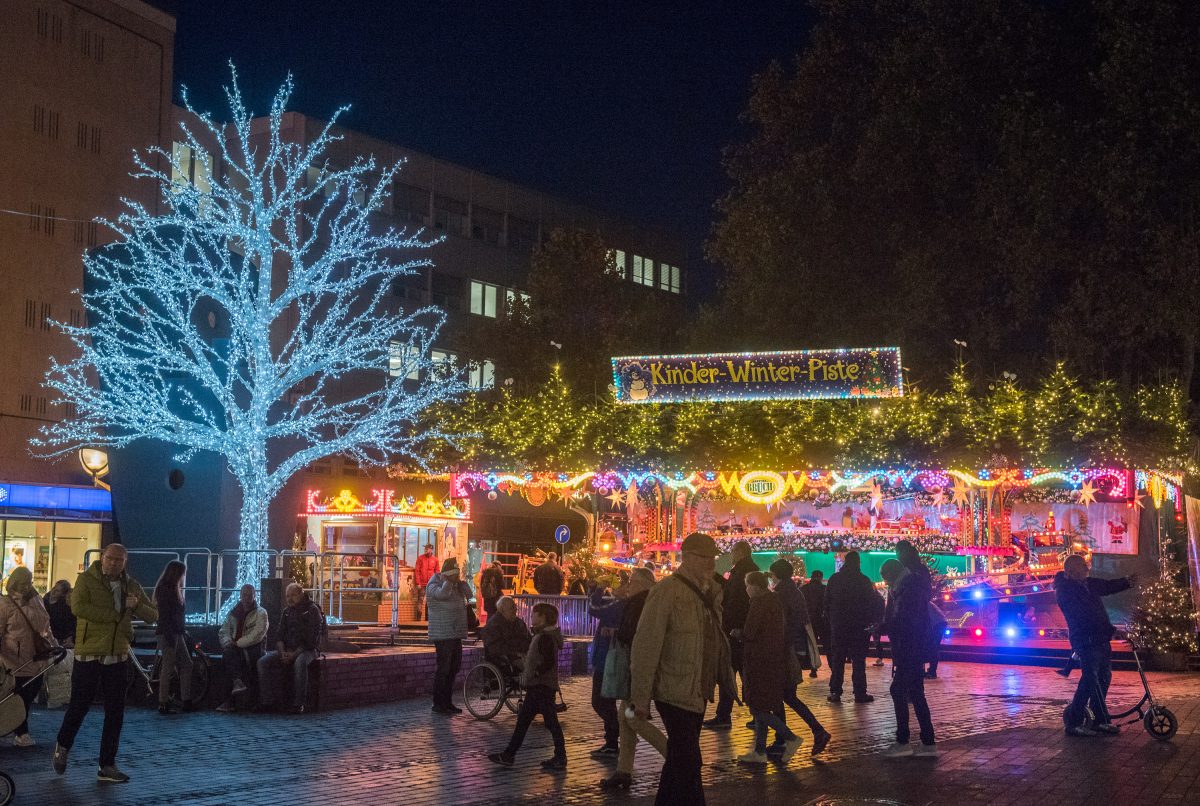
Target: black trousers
(86,678)
(606,709)
(908,686)
(28,688)
(449,661)
(803,711)
(538,700)
(679,784)
(1095,675)
(852,649)
(243,663)
(724,697)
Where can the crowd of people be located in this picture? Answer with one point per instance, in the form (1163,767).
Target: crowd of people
(696,638)
(676,644)
(94,619)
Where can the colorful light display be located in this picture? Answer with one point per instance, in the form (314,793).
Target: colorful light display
(871,372)
(384,502)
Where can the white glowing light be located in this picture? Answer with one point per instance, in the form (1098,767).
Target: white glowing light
(282,253)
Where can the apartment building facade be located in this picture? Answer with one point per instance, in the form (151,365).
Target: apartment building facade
(85,81)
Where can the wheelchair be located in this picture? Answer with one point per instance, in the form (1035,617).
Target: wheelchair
(491,686)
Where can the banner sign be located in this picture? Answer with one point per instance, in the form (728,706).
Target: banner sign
(872,372)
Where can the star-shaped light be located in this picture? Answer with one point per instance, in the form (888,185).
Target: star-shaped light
(1087,493)
(617,499)
(961,493)
(1136,503)
(939,497)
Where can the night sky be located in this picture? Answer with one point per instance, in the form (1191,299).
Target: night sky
(623,107)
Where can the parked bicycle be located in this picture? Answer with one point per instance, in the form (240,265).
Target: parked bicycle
(146,677)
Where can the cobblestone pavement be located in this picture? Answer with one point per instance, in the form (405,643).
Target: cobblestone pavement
(999,732)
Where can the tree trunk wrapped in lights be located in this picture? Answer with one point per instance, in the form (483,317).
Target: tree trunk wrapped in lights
(276,252)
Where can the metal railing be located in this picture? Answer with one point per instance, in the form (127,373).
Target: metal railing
(205,558)
(212,579)
(573,618)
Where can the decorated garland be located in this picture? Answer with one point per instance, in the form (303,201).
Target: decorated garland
(833,542)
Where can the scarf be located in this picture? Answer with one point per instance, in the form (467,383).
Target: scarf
(240,613)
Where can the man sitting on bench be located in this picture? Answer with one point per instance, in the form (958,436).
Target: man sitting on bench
(299,631)
(506,638)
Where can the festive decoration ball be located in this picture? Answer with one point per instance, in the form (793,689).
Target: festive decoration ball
(492,495)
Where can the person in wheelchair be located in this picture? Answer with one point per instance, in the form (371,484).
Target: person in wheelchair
(506,639)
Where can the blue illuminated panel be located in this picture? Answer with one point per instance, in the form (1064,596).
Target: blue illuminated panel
(46,496)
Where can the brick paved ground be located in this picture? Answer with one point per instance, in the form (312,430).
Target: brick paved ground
(999,732)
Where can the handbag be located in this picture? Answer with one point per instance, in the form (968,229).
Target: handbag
(42,649)
(615,684)
(814,650)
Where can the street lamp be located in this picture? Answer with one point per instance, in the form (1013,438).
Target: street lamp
(95,462)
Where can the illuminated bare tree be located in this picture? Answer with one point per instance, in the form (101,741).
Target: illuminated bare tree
(283,248)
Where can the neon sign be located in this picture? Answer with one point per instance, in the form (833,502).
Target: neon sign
(872,372)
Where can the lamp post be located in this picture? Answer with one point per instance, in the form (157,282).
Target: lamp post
(95,462)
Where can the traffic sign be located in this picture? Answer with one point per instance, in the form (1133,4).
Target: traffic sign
(562,533)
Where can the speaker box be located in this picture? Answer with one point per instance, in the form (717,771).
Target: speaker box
(271,599)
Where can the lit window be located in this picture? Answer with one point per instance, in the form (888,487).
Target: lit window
(483,298)
(512,296)
(402,360)
(191,167)
(443,362)
(643,270)
(618,258)
(482,375)
(668,278)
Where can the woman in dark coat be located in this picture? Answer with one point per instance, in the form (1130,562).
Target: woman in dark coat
(796,621)
(765,669)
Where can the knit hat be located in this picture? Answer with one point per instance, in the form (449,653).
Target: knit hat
(450,566)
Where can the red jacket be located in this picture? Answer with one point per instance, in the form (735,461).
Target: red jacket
(424,570)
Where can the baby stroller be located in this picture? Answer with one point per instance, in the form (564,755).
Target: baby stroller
(12,712)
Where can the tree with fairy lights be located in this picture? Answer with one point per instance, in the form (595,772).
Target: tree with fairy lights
(1164,617)
(277,253)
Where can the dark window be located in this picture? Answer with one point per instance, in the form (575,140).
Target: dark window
(447,291)
(486,224)
(411,203)
(410,289)
(522,234)
(30,313)
(449,214)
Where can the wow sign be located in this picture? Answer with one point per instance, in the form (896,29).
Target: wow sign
(871,372)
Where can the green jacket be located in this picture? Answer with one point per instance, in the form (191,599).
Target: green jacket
(102,628)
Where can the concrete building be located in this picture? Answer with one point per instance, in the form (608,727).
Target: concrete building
(84,82)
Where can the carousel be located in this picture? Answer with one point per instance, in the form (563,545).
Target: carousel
(994,537)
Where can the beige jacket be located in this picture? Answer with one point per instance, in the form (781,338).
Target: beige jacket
(667,661)
(16,639)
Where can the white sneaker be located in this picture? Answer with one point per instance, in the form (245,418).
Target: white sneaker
(789,749)
(926,751)
(898,750)
(24,740)
(753,759)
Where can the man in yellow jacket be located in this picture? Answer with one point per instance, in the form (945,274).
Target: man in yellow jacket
(679,656)
(105,601)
